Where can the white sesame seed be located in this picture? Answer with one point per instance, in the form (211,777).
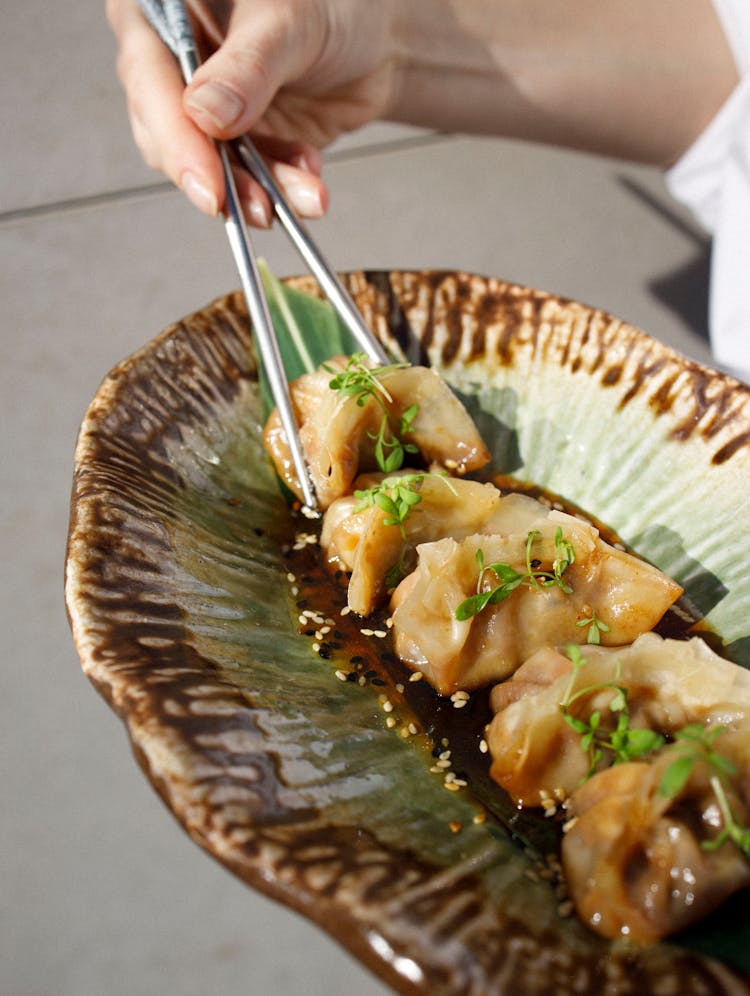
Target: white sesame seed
(445,754)
(380,633)
(460,703)
(452,787)
(294,589)
(291,578)
(413,729)
(390,722)
(400,688)
(443,763)
(345,611)
(366,632)
(483,746)
(316,647)
(387,706)
(417,676)
(341,675)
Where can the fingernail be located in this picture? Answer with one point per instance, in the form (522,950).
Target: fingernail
(305,199)
(198,193)
(258,214)
(220,103)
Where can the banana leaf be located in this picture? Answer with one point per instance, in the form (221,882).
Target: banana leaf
(308,330)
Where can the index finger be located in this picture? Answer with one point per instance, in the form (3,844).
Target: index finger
(168,139)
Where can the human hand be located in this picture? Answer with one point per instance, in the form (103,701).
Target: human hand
(295,72)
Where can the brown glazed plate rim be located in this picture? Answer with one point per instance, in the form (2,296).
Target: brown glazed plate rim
(167,530)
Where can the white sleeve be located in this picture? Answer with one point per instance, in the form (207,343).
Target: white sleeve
(713,179)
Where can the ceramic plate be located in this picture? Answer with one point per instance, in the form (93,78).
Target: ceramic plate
(302,759)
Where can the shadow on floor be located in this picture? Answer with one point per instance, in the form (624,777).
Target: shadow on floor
(685,290)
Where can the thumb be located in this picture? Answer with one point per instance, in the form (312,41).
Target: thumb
(233,88)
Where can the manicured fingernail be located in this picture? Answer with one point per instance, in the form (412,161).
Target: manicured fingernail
(220,103)
(258,214)
(305,199)
(198,193)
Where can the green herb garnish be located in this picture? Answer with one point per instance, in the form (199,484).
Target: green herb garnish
(361,382)
(697,745)
(396,497)
(623,743)
(509,578)
(596,627)
(732,830)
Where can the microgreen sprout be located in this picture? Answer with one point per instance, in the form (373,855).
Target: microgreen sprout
(358,380)
(596,627)
(509,578)
(396,497)
(624,743)
(697,743)
(732,830)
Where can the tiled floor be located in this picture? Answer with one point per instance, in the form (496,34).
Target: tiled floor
(101,892)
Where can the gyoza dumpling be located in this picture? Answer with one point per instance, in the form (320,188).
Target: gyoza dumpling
(537,755)
(634,857)
(336,431)
(362,542)
(604,587)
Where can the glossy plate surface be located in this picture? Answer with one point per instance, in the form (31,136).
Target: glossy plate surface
(318,791)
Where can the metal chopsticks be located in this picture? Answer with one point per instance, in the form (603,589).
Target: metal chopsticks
(170,20)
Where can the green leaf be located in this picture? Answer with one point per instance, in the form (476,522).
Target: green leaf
(472,605)
(505,573)
(640,742)
(308,330)
(386,503)
(676,775)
